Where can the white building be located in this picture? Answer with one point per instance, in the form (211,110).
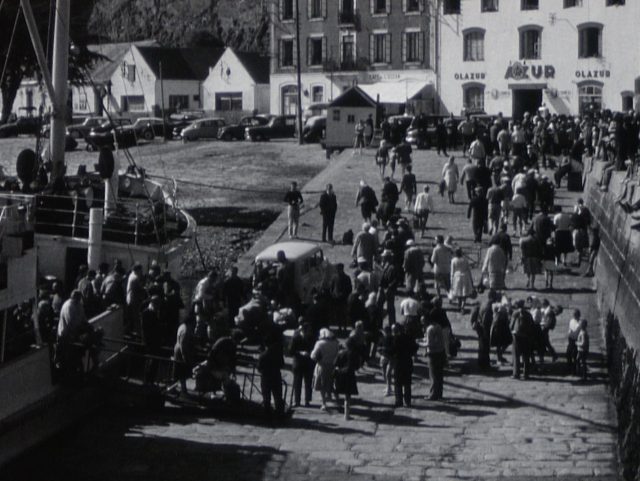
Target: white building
(238,82)
(151,78)
(511,56)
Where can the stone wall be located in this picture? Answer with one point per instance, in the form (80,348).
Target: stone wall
(618,278)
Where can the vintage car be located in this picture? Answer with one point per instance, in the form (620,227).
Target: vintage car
(279,127)
(312,271)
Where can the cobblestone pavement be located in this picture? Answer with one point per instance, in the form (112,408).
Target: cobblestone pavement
(487,427)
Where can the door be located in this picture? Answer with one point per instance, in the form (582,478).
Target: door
(526,100)
(76,256)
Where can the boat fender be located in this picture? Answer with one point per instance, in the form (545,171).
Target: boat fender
(106,164)
(26,166)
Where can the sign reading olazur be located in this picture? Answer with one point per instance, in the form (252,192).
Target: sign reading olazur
(520,71)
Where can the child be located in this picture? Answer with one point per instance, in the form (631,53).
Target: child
(572,338)
(582,345)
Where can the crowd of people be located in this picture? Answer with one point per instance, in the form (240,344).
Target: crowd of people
(510,176)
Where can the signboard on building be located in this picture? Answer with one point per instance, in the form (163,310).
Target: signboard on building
(522,71)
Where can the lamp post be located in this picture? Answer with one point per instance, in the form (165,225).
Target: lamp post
(298,73)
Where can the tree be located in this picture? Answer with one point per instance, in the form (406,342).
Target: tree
(16,51)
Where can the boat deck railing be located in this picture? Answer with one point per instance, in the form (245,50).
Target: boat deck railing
(133,220)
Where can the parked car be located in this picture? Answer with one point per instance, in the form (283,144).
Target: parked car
(81,130)
(124,135)
(313,110)
(22,126)
(422,131)
(312,271)
(314,129)
(180,121)
(236,131)
(149,127)
(108,125)
(202,129)
(279,127)
(403,121)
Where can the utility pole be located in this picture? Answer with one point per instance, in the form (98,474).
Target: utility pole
(299,73)
(164,123)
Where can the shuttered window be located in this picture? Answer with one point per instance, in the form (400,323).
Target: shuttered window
(474,46)
(316,47)
(413,47)
(380,48)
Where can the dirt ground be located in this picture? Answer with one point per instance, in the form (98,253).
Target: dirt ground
(237,175)
(233,189)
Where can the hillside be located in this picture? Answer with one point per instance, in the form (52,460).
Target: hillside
(241,24)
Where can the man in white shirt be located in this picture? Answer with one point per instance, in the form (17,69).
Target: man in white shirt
(423,207)
(572,337)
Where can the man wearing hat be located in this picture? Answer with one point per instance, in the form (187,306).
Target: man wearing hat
(389,285)
(413,265)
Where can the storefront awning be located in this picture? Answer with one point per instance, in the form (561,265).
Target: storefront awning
(395,92)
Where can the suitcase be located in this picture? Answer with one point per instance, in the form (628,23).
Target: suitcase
(574,182)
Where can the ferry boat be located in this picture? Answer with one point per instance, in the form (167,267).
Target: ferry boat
(83,219)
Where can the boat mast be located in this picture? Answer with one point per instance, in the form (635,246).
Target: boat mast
(61,45)
(56,83)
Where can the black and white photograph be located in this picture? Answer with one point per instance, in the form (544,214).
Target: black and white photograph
(323,240)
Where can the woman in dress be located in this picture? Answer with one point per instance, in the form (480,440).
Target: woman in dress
(461,279)
(324,354)
(346,365)
(450,175)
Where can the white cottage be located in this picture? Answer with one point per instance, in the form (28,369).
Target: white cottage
(239,82)
(151,78)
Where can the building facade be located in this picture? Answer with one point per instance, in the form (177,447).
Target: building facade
(239,82)
(512,56)
(381,43)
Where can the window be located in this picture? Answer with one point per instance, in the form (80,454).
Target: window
(614,2)
(412,48)
(129,72)
(347,51)
(178,102)
(335,114)
(380,48)
(572,3)
(410,6)
(530,43)
(529,5)
(474,46)
(589,97)
(317,8)
(286,9)
(590,41)
(351,119)
(489,5)
(132,103)
(451,7)
(473,98)
(346,14)
(289,100)
(317,94)
(316,51)
(286,52)
(229,101)
(379,7)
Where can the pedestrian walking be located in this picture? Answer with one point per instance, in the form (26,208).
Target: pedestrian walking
(270,363)
(403,348)
(434,343)
(358,140)
(531,258)
(441,262)
(572,338)
(450,177)
(389,285)
(481,321)
(367,200)
(478,211)
(368,130)
(548,324)
(382,157)
(409,186)
(294,201)
(364,246)
(501,337)
(522,331)
(302,365)
(582,345)
(422,208)
(346,364)
(461,279)
(328,207)
(441,138)
(494,268)
(324,354)
(594,248)
(413,265)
